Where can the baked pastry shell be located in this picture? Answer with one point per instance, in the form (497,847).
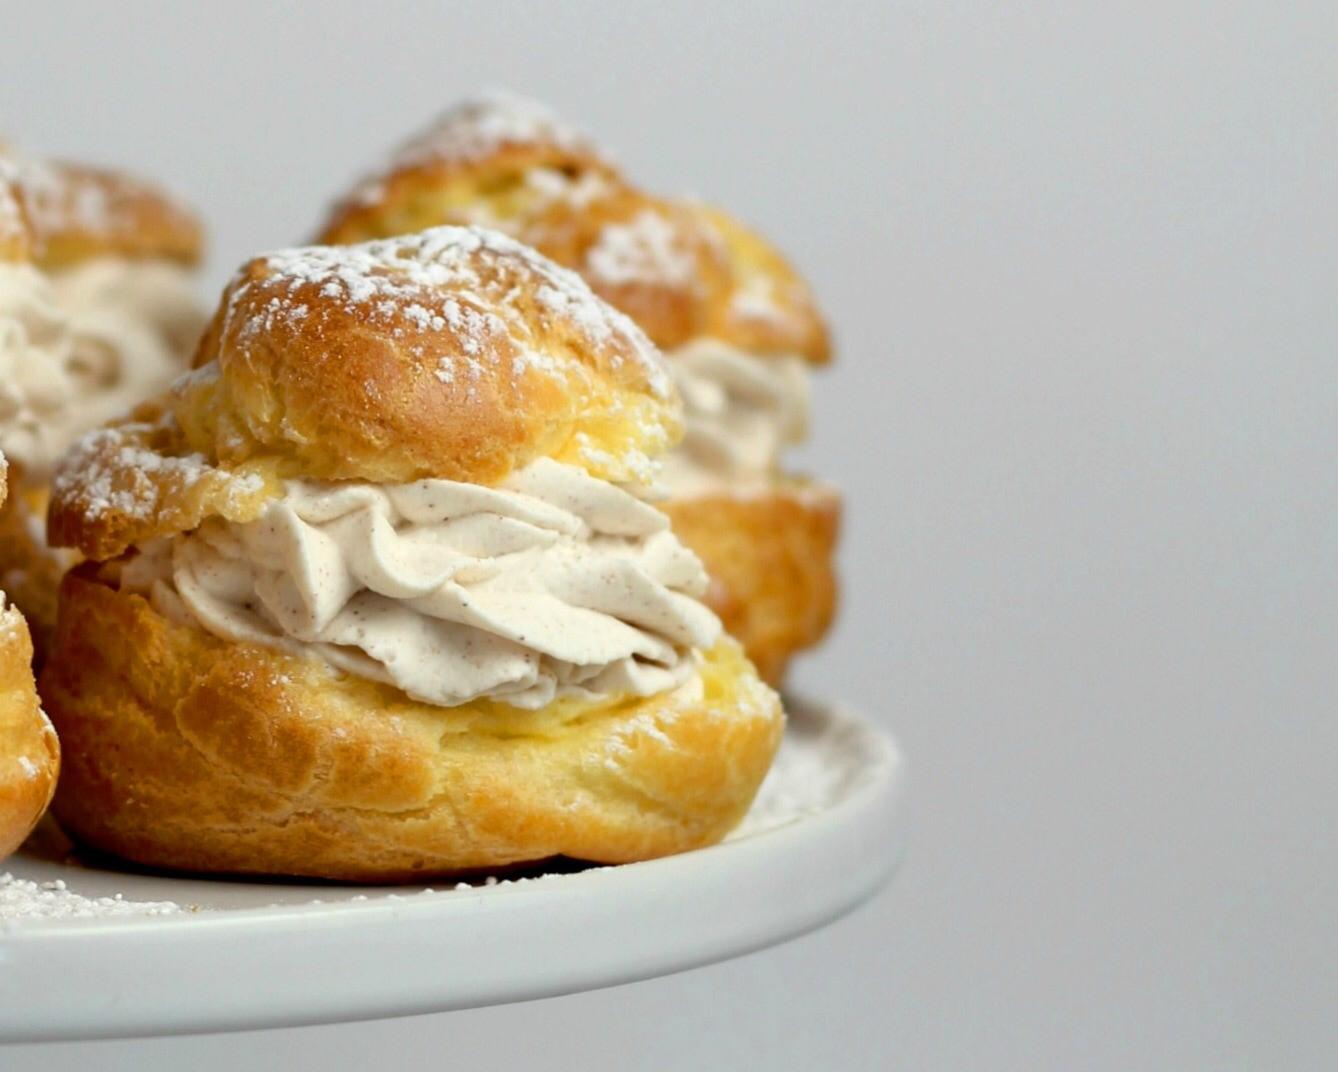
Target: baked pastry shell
(137,220)
(25,787)
(187,752)
(770,552)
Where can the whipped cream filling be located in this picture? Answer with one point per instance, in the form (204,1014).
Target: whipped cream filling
(36,382)
(133,326)
(739,411)
(83,346)
(552,584)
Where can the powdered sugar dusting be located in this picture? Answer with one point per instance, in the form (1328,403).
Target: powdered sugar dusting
(61,197)
(814,769)
(54,204)
(757,300)
(476,128)
(92,469)
(642,250)
(799,783)
(470,281)
(23,899)
(108,472)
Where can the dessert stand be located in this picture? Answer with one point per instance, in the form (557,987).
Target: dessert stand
(824,834)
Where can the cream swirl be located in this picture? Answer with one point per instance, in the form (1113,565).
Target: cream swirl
(83,346)
(552,584)
(739,411)
(36,385)
(133,323)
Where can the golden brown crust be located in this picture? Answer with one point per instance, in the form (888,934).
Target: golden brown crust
(30,571)
(187,752)
(453,353)
(770,309)
(78,212)
(770,555)
(135,481)
(475,165)
(647,256)
(679,269)
(29,751)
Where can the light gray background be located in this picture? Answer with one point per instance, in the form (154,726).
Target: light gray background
(1080,259)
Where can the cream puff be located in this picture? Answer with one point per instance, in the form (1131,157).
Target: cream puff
(99,315)
(740,329)
(375,591)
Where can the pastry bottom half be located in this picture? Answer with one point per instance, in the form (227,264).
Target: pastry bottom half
(29,751)
(187,752)
(770,556)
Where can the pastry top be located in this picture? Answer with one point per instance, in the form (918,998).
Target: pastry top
(77,212)
(680,269)
(453,354)
(498,155)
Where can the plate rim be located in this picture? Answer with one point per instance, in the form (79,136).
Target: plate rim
(34,954)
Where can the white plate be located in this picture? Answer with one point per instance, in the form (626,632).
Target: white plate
(823,836)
